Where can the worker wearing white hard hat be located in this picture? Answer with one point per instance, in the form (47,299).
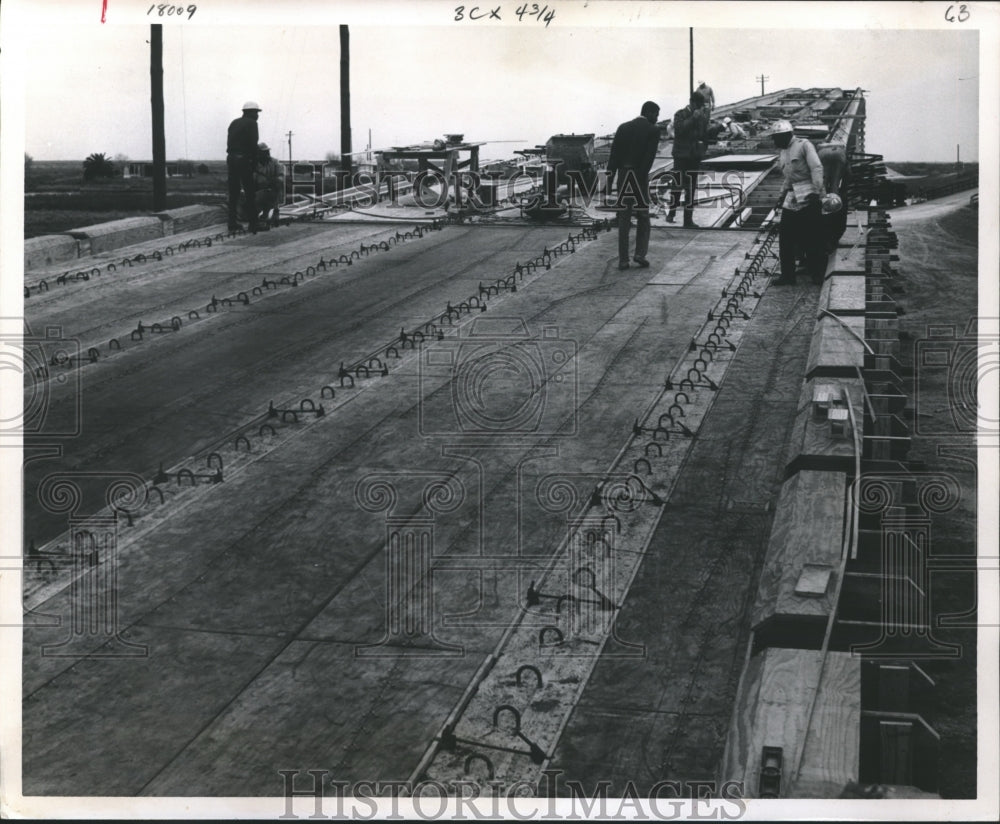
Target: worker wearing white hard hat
(733,130)
(241,160)
(269,188)
(801,228)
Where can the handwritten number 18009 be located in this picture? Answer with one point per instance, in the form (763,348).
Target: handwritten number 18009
(166,10)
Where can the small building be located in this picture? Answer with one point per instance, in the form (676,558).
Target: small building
(145,169)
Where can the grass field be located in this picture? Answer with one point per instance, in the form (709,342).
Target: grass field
(57,199)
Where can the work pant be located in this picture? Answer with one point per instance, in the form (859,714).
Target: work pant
(685,178)
(241,177)
(802,230)
(626,208)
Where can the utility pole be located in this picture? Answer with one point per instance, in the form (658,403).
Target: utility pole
(156,100)
(345,102)
(762,79)
(289,135)
(691,64)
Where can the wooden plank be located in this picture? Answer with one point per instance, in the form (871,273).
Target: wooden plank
(772,710)
(807,530)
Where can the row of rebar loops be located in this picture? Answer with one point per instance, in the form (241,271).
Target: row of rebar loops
(127,262)
(433,329)
(243,297)
(722,315)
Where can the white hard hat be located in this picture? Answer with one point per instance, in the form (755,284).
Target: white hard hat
(251,106)
(782,127)
(727,120)
(832,204)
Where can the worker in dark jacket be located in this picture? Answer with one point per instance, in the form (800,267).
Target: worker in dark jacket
(690,142)
(241,160)
(633,151)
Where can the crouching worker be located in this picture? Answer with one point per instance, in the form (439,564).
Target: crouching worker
(270,187)
(802,227)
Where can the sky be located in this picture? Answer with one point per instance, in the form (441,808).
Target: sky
(86,87)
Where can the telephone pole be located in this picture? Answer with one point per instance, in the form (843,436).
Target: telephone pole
(762,79)
(289,135)
(346,164)
(691,59)
(156,101)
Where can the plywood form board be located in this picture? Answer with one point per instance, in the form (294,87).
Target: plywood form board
(773,710)
(843,295)
(807,529)
(834,347)
(811,434)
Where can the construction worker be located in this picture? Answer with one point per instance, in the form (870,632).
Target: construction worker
(833,156)
(732,130)
(241,161)
(690,143)
(633,151)
(706,91)
(269,187)
(802,190)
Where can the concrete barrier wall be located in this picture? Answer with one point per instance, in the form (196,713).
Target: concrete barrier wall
(189,218)
(49,250)
(117,233)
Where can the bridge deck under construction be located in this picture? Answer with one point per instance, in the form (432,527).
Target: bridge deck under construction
(252,614)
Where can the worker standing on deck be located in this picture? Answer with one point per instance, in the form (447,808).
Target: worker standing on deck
(833,156)
(690,143)
(706,91)
(801,216)
(241,161)
(633,151)
(268,185)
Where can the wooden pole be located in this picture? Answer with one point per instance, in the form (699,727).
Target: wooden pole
(345,100)
(159,141)
(691,65)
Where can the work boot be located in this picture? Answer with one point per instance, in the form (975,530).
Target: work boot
(641,262)
(690,224)
(783,281)
(623,264)
(671,215)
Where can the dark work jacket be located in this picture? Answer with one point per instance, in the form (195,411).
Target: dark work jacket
(690,133)
(634,147)
(243,138)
